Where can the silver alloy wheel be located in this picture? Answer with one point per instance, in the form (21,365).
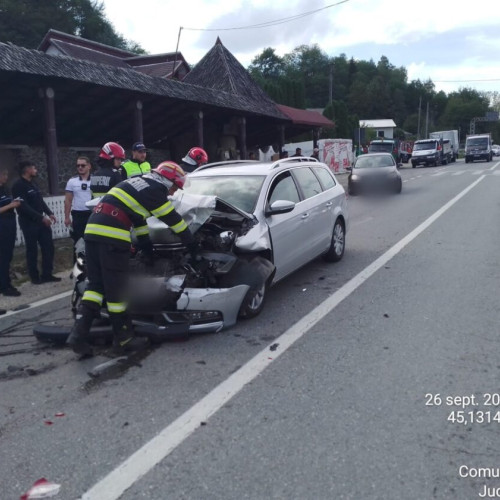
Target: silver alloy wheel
(338,238)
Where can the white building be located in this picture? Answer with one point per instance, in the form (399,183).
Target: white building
(383,128)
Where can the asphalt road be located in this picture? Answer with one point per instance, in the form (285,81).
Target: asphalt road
(348,386)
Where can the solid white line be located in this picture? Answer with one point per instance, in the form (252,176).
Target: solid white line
(112,486)
(39,303)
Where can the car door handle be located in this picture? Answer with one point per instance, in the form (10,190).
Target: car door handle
(329,204)
(305,216)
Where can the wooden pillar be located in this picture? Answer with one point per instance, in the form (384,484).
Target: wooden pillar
(50,134)
(138,130)
(199,121)
(243,138)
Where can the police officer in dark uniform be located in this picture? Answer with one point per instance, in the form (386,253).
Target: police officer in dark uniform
(35,219)
(8,235)
(107,175)
(107,249)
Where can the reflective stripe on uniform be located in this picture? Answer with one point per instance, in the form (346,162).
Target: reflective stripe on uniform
(178,228)
(130,202)
(141,230)
(98,195)
(163,210)
(92,296)
(116,307)
(108,232)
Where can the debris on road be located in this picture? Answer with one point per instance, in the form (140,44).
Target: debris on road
(41,489)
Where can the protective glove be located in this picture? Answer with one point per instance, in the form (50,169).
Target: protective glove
(146,257)
(194,249)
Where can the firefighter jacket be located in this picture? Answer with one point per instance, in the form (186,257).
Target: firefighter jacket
(127,205)
(133,168)
(103,180)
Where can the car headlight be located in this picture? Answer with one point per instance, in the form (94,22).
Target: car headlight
(354,177)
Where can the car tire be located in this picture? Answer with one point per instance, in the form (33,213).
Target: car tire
(253,303)
(337,245)
(398,189)
(413,165)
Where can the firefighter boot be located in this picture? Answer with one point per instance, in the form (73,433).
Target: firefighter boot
(124,339)
(78,337)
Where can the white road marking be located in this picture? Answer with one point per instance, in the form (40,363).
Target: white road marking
(112,486)
(39,303)
(438,173)
(459,173)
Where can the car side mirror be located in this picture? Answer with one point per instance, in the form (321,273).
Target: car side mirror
(399,165)
(280,207)
(348,167)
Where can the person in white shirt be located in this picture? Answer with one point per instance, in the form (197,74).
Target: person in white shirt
(77,193)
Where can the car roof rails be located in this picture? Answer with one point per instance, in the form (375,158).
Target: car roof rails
(294,159)
(227,163)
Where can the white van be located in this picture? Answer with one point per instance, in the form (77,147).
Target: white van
(428,152)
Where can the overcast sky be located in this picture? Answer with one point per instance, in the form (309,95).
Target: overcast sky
(456,44)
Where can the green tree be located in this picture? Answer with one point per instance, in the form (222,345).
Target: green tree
(25,22)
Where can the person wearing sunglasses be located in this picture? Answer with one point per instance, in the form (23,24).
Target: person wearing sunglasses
(77,193)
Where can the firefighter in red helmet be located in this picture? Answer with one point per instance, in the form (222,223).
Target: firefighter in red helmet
(107,175)
(195,157)
(107,250)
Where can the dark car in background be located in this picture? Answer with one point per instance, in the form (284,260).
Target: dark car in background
(374,173)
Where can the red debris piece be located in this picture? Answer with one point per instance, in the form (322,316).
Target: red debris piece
(41,489)
(60,414)
(48,422)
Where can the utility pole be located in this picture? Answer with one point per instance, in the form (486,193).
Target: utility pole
(418,126)
(427,121)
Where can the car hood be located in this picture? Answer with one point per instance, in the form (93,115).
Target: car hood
(199,211)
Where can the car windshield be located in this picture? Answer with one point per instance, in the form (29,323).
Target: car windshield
(422,146)
(478,141)
(374,162)
(240,191)
(382,147)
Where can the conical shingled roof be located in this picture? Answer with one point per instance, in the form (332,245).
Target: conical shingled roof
(220,70)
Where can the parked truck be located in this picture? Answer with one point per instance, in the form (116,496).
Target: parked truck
(478,147)
(450,135)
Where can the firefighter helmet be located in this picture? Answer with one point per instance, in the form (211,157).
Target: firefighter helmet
(173,172)
(112,150)
(196,156)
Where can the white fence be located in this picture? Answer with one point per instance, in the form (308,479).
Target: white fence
(59,230)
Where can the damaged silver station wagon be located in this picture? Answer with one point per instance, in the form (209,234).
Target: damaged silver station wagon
(255,222)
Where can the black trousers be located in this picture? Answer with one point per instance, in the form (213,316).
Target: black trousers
(107,272)
(7,242)
(37,233)
(79,218)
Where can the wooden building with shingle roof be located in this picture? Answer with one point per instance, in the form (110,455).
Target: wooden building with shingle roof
(85,94)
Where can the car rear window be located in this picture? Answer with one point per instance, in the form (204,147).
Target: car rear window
(240,191)
(325,177)
(308,182)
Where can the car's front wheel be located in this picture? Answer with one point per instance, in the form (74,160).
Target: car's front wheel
(337,246)
(253,303)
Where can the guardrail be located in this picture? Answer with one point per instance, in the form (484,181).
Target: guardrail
(59,230)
